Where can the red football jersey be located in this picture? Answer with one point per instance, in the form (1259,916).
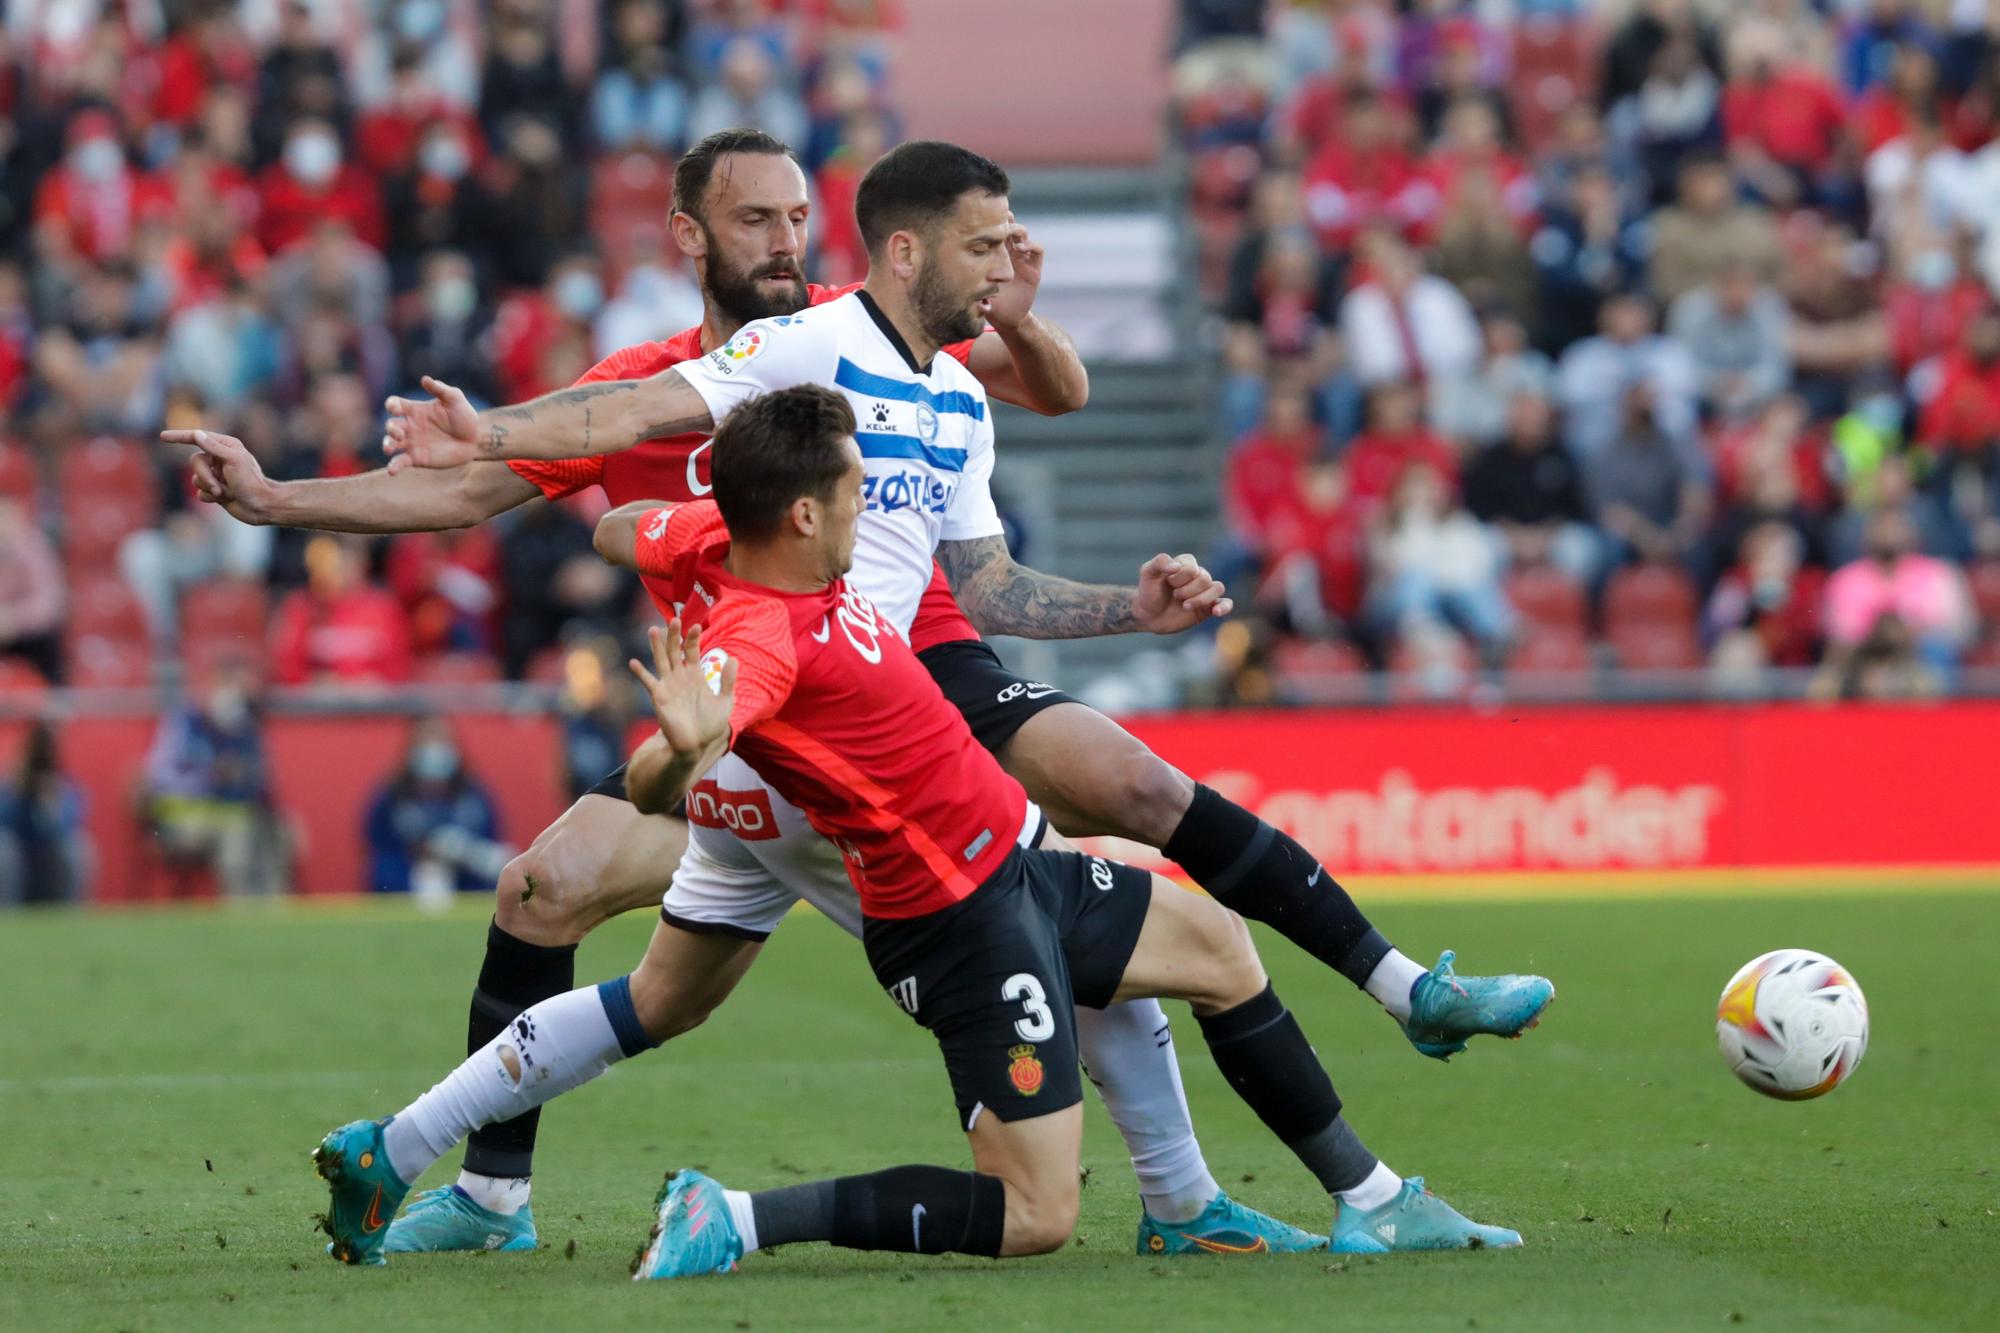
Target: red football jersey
(833,709)
(676,469)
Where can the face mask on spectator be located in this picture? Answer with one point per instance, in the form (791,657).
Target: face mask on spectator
(445,157)
(1934,270)
(313,158)
(434,761)
(228,709)
(97,160)
(579,294)
(453,299)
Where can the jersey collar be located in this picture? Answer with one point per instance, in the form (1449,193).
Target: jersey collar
(889,331)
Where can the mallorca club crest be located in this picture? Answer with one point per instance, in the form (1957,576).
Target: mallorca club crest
(1026,1071)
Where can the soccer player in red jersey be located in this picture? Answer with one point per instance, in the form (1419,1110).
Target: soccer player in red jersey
(981,938)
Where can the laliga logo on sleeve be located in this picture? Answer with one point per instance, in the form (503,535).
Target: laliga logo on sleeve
(744,346)
(658,527)
(711,669)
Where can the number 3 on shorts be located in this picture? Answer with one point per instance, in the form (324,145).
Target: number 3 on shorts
(1040,1024)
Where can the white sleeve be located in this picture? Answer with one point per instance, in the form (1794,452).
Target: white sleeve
(971,513)
(766,355)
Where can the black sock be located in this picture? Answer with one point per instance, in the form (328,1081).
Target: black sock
(1262,1053)
(515,975)
(1259,873)
(908,1209)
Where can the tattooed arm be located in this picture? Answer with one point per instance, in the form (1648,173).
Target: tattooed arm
(1002,597)
(598,418)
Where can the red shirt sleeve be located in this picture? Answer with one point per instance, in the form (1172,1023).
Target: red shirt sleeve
(562,477)
(960,352)
(757,633)
(665,535)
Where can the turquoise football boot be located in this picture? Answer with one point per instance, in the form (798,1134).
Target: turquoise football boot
(451,1219)
(695,1233)
(366,1191)
(1415,1219)
(1225,1227)
(1447,1009)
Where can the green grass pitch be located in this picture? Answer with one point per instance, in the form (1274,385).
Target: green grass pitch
(167,1073)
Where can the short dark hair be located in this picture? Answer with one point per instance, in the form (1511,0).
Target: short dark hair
(697,165)
(915,184)
(774,449)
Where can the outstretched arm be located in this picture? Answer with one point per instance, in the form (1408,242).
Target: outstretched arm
(1025,359)
(1002,597)
(694,720)
(228,474)
(617,535)
(598,418)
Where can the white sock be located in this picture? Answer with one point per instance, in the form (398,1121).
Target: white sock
(505,1195)
(743,1215)
(1128,1052)
(1391,981)
(559,1044)
(1381,1186)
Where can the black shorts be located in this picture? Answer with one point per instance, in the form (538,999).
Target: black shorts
(993,700)
(997,977)
(612,784)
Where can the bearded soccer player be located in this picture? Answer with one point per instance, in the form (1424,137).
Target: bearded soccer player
(980,937)
(741,210)
(935,219)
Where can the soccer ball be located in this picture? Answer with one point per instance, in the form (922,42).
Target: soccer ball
(1792,1024)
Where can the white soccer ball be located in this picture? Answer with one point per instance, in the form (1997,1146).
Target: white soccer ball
(1792,1024)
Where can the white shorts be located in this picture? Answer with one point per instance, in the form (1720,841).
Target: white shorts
(751,854)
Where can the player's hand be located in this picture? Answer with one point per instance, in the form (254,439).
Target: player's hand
(226,473)
(1016,298)
(692,716)
(440,432)
(1175,593)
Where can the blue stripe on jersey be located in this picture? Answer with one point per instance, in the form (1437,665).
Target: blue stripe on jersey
(856,380)
(889,444)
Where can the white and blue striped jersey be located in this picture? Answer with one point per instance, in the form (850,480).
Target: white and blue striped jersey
(925,432)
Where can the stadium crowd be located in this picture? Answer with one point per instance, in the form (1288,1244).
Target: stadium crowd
(263,216)
(1659,333)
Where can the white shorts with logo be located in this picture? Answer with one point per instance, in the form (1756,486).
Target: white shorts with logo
(751,854)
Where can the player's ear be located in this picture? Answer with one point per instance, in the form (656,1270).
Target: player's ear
(806,516)
(905,253)
(688,235)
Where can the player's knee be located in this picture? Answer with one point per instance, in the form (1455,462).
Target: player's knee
(536,903)
(1235,974)
(1039,1220)
(1153,793)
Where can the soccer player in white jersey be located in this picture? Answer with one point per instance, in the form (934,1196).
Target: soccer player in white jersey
(935,219)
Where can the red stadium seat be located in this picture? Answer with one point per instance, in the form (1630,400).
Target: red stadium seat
(1658,646)
(1985,578)
(102,607)
(97,663)
(103,467)
(1548,650)
(17,678)
(202,657)
(18,478)
(631,197)
(230,608)
(1300,659)
(1547,599)
(1648,595)
(95,527)
(459,669)
(548,667)
(1553,69)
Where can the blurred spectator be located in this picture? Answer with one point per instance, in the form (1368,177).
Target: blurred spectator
(1931,297)
(1480,247)
(534,207)
(541,340)
(1262,480)
(1924,596)
(1838,335)
(45,852)
(1888,664)
(1593,376)
(1782,117)
(1629,55)
(1364,178)
(1285,316)
(1708,229)
(1476,410)
(31,593)
(300,78)
(1892,486)
(1317,548)
(1769,598)
(448,583)
(656,299)
(553,577)
(390,133)
(1435,565)
(748,93)
(448,335)
(1651,499)
(1904,93)
(90,204)
(597,710)
(224,349)
(1395,440)
(523,79)
(1461,74)
(1589,248)
(311,184)
(339,629)
(195,544)
(638,103)
(1401,323)
(438,202)
(206,793)
(1736,330)
(1963,414)
(1673,114)
(1532,493)
(1887,32)
(101,364)
(433,827)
